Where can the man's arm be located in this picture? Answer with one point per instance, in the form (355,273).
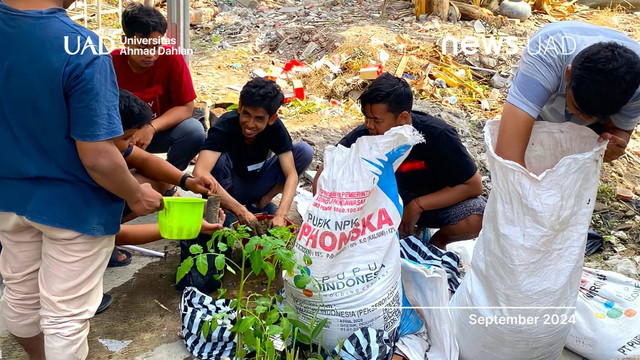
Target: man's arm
(104,163)
(618,140)
(289,191)
(437,200)
(156,168)
(207,160)
(166,121)
(514,133)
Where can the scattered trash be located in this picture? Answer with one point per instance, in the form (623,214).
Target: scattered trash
(594,243)
(160,304)
(115,345)
(370,72)
(440,83)
(515,9)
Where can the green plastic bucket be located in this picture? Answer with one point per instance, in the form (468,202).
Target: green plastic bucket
(181,218)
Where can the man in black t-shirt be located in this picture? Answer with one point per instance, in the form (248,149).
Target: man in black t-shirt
(237,154)
(439,182)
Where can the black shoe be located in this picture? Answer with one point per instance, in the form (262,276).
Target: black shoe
(105,303)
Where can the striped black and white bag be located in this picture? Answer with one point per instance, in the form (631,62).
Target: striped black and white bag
(365,344)
(195,308)
(411,248)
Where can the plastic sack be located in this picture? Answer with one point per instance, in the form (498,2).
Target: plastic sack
(350,235)
(427,289)
(525,273)
(195,308)
(607,322)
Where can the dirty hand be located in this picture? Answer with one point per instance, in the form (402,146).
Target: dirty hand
(615,147)
(143,136)
(147,201)
(208,228)
(246,217)
(201,185)
(410,217)
(279,221)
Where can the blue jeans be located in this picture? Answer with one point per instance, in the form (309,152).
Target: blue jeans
(181,143)
(249,191)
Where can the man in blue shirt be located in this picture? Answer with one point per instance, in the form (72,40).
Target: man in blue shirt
(63,177)
(578,72)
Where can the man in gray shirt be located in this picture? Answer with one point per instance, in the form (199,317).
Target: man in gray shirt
(578,72)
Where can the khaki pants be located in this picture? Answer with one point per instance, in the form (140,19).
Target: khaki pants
(53,283)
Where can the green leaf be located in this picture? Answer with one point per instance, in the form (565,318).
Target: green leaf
(246,324)
(303,338)
(234,304)
(256,262)
(218,276)
(286,329)
(220,261)
(269,270)
(266,247)
(274,329)
(195,249)
(263,301)
(271,350)
(272,316)
(301,281)
(307,259)
(214,325)
(205,329)
(291,314)
(261,309)
(249,339)
(221,293)
(279,298)
(231,270)
(184,268)
(318,328)
(202,264)
(222,246)
(300,325)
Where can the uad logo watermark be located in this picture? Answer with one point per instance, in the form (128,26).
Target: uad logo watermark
(470,45)
(130,46)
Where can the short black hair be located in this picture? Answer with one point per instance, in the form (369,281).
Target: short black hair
(389,90)
(134,113)
(143,20)
(604,77)
(264,93)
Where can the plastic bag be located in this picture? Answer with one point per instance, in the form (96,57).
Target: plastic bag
(607,323)
(195,308)
(349,239)
(527,262)
(427,289)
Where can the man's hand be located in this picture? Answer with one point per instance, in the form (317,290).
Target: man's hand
(410,217)
(208,228)
(205,185)
(148,201)
(142,138)
(615,147)
(279,221)
(246,217)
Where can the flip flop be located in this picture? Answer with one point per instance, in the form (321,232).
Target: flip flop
(113,262)
(105,303)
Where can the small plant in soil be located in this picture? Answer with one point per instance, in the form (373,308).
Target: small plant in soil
(258,319)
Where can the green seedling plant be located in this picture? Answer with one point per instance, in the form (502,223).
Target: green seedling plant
(258,319)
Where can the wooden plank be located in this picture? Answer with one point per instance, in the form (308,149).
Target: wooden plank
(402,65)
